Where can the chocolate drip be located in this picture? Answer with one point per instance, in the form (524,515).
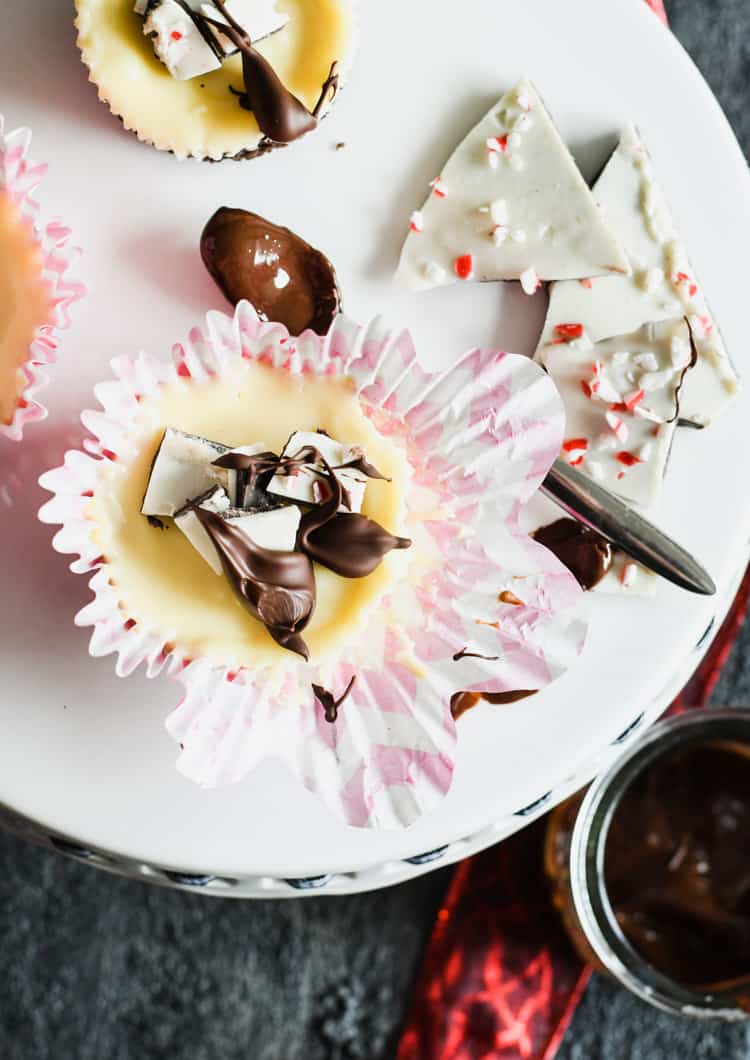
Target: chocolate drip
(278,588)
(359,463)
(466,654)
(586,554)
(463,701)
(328,701)
(349,544)
(280,115)
(283,277)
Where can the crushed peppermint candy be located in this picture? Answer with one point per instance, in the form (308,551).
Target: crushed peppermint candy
(499,212)
(416,221)
(568,332)
(618,426)
(463,267)
(438,188)
(530,281)
(627,458)
(629,575)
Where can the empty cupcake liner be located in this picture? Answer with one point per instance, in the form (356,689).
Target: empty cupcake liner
(20,177)
(486,608)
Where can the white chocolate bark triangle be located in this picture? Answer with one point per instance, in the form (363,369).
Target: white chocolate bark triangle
(509,204)
(621,401)
(662,284)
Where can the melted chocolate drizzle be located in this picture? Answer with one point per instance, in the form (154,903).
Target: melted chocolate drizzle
(276,587)
(281,116)
(328,701)
(586,554)
(349,544)
(463,701)
(466,654)
(246,255)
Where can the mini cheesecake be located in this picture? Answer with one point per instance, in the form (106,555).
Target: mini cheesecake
(25,302)
(509,204)
(662,284)
(217,461)
(175,79)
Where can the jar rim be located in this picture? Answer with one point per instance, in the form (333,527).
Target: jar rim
(587,848)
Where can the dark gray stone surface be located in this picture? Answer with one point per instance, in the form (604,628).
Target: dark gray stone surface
(95,967)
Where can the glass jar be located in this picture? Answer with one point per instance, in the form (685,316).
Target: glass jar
(575,848)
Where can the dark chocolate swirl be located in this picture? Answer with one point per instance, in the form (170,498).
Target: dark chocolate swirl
(281,117)
(348,543)
(276,587)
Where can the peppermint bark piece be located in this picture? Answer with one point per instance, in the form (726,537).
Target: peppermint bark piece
(662,283)
(188,45)
(510,204)
(275,529)
(621,400)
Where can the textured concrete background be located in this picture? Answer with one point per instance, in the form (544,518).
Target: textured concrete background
(94,967)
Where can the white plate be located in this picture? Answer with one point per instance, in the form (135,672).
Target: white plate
(85,754)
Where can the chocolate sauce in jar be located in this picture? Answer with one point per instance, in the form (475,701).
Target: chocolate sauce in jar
(677,864)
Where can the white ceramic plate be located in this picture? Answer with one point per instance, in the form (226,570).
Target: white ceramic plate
(84,754)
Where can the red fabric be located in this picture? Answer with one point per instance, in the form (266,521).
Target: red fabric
(657,6)
(500,980)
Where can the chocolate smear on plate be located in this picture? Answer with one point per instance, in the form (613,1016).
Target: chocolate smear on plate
(463,701)
(283,277)
(348,543)
(329,702)
(281,117)
(586,554)
(276,587)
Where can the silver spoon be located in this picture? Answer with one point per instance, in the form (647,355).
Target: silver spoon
(613,519)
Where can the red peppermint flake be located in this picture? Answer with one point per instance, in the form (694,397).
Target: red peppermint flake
(588,284)
(693,290)
(634,399)
(175,34)
(627,458)
(502,142)
(618,406)
(575,443)
(586,388)
(183,370)
(463,266)
(569,331)
(578,460)
(682,277)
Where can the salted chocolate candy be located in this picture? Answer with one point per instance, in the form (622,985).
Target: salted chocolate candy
(283,277)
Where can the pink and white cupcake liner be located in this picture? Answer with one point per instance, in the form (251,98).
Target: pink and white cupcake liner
(20,177)
(479,438)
